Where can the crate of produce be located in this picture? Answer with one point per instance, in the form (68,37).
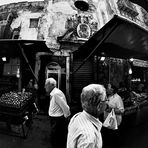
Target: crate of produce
(15,101)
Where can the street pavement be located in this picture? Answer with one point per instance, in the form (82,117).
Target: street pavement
(38,135)
(135,136)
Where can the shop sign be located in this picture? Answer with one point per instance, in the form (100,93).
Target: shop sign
(140,63)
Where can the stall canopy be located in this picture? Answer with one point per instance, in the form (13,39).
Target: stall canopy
(12,46)
(119,38)
(22,48)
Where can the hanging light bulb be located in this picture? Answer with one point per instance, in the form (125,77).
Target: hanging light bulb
(102,59)
(82,5)
(131,59)
(130,71)
(18,73)
(4,59)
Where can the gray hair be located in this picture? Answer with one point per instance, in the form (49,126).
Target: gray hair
(92,95)
(51,81)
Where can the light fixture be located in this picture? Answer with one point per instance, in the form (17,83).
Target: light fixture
(102,58)
(27,44)
(82,5)
(18,73)
(4,59)
(130,71)
(131,59)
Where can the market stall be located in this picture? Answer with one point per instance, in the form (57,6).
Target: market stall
(119,41)
(16,109)
(17,100)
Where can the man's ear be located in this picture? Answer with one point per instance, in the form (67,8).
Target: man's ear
(101,106)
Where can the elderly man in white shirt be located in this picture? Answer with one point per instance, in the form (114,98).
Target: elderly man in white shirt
(84,127)
(58,112)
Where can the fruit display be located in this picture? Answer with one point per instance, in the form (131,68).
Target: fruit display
(15,99)
(134,103)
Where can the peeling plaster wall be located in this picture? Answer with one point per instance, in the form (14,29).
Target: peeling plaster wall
(53,21)
(141,19)
(61,18)
(104,11)
(23,21)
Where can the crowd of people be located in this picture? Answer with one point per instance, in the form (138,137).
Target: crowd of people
(100,104)
(84,129)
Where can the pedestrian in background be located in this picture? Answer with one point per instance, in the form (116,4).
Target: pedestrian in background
(84,127)
(112,138)
(58,112)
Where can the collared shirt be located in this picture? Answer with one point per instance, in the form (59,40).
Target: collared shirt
(84,131)
(58,104)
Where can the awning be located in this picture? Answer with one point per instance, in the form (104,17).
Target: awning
(12,46)
(22,48)
(119,38)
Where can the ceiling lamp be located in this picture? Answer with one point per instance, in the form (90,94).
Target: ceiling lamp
(131,59)
(4,59)
(82,5)
(102,58)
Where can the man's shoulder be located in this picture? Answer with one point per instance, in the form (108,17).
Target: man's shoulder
(56,91)
(79,120)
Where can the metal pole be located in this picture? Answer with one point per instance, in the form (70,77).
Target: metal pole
(109,66)
(67,78)
(25,57)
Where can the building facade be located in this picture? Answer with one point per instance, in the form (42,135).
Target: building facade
(64,28)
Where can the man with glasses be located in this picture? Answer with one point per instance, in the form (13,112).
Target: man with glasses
(84,127)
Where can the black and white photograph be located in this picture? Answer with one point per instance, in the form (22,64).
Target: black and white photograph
(74,73)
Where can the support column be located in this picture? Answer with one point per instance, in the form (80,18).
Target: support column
(67,79)
(20,76)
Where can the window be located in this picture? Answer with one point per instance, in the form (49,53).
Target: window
(34,22)
(12,67)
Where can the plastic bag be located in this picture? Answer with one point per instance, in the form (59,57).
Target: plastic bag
(111,121)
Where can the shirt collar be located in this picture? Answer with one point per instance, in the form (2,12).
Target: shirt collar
(52,92)
(95,121)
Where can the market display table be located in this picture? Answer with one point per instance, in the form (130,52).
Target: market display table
(136,114)
(16,109)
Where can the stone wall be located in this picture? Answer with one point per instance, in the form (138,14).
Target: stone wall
(60,18)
